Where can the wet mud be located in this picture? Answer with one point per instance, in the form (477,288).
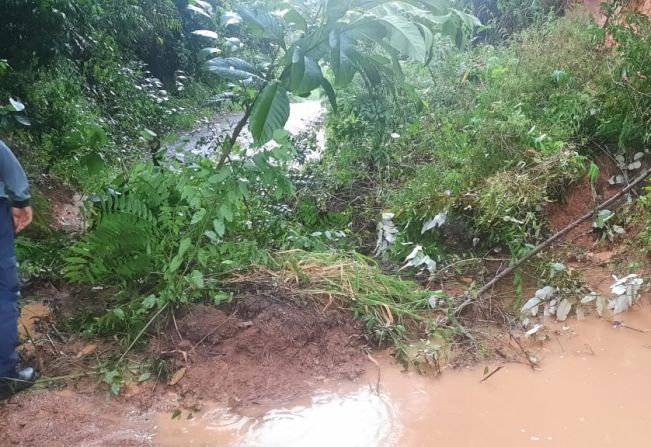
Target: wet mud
(266,348)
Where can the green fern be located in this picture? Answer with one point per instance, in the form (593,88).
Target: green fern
(121,246)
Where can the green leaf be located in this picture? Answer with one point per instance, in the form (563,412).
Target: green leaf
(405,37)
(144,377)
(148,135)
(206,33)
(467,20)
(435,6)
(230,19)
(593,173)
(602,217)
(119,313)
(336,9)
(222,175)
(341,47)
(175,263)
(198,216)
(184,245)
(198,10)
(293,17)
(226,212)
(219,227)
(233,68)
(209,51)
(270,112)
(305,73)
(149,302)
(196,279)
(93,162)
(17,105)
(222,297)
(263,25)
(22,119)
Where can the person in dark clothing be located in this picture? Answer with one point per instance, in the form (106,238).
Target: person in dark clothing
(15,216)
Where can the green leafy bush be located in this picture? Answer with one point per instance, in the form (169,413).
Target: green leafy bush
(169,231)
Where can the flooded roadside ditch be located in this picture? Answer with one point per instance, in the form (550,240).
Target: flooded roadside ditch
(588,391)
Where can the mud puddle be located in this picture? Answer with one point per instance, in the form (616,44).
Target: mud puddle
(591,390)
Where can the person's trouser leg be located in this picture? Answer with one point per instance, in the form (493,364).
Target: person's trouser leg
(9,292)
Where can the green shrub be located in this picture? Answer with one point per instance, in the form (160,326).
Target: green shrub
(534,97)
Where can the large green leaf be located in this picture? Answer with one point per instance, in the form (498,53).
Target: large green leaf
(332,96)
(270,112)
(342,53)
(233,69)
(305,73)
(264,25)
(467,20)
(405,37)
(293,17)
(460,26)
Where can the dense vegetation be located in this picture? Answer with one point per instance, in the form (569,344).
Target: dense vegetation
(433,118)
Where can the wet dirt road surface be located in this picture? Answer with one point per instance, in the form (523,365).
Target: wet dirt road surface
(303,116)
(592,389)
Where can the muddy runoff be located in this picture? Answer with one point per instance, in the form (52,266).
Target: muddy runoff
(590,390)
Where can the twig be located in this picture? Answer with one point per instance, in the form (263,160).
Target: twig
(54,348)
(47,380)
(532,364)
(377,365)
(617,324)
(176,326)
(213,330)
(491,374)
(142,331)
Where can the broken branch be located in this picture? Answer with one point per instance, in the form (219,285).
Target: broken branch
(560,234)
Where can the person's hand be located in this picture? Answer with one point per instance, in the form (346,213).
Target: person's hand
(22,217)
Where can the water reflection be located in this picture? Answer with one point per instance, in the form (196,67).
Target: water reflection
(362,419)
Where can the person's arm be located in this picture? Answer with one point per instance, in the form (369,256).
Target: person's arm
(16,185)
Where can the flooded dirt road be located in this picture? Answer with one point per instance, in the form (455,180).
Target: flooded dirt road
(591,390)
(304,116)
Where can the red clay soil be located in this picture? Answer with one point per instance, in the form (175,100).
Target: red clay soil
(67,419)
(265,349)
(578,201)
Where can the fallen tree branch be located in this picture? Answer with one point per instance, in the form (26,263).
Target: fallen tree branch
(488,376)
(557,236)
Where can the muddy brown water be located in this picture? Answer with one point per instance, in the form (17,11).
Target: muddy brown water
(592,389)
